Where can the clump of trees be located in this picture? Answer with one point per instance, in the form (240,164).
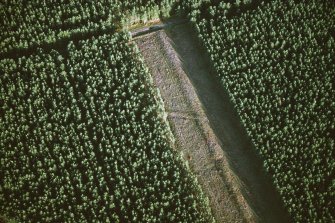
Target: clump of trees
(276,60)
(84,139)
(27,24)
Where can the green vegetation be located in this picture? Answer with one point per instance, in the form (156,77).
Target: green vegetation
(83,133)
(4,219)
(85,139)
(276,60)
(27,24)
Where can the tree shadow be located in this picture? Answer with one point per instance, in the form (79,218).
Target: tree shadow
(256,186)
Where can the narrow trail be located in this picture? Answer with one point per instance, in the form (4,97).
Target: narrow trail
(207,129)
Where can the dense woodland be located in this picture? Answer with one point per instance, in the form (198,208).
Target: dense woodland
(31,24)
(277,62)
(86,140)
(83,132)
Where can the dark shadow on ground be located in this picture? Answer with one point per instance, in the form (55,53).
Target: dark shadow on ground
(256,186)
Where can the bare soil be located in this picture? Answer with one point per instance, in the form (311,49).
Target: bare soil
(208,130)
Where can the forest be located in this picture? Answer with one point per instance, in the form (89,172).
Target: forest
(84,134)
(277,63)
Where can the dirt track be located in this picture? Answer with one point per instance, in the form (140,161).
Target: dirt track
(207,129)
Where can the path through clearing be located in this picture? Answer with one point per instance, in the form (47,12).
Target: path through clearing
(207,129)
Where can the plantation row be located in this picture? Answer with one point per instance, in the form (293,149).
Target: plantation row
(26,24)
(277,63)
(84,139)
